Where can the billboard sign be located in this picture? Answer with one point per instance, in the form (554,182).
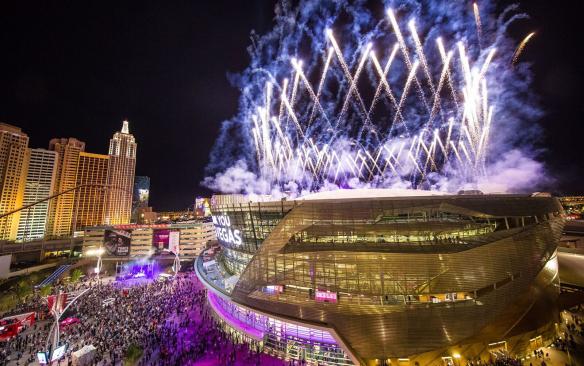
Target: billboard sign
(174,241)
(117,242)
(325,296)
(202,207)
(43,358)
(225,233)
(143,195)
(161,239)
(58,353)
(274,289)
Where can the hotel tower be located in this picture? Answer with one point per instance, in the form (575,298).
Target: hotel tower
(13,160)
(62,207)
(40,185)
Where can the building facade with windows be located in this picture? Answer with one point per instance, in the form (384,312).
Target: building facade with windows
(147,240)
(363,276)
(91,196)
(39,185)
(13,160)
(62,207)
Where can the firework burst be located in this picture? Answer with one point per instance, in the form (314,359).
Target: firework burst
(377,102)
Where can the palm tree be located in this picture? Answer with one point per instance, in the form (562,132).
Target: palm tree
(76,275)
(46,290)
(22,288)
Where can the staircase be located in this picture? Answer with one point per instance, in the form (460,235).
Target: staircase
(54,276)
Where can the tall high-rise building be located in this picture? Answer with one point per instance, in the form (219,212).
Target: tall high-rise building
(141,195)
(91,197)
(61,211)
(39,185)
(122,166)
(13,151)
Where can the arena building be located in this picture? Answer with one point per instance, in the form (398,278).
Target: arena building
(386,276)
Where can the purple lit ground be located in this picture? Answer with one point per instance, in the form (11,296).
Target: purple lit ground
(193,324)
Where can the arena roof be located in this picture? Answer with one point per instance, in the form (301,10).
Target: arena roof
(370,193)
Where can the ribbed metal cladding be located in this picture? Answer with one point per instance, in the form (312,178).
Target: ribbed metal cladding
(379,283)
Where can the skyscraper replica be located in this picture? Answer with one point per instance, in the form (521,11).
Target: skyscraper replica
(121,169)
(40,185)
(13,149)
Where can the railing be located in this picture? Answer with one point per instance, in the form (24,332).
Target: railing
(54,276)
(63,244)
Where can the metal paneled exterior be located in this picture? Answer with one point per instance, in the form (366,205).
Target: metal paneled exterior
(412,274)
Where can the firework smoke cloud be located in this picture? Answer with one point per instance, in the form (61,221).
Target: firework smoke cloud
(408,94)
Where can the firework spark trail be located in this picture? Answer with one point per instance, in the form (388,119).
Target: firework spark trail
(388,161)
(413,159)
(456,152)
(383,80)
(439,140)
(353,85)
(466,154)
(314,96)
(448,135)
(421,55)
(257,146)
(411,77)
(406,53)
(385,85)
(293,115)
(435,93)
(322,79)
(281,134)
(282,106)
(443,55)
(484,138)
(520,48)
(294,90)
(477,16)
(443,74)
(346,71)
(429,158)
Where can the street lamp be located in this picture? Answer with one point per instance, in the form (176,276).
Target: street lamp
(57,307)
(176,263)
(96,253)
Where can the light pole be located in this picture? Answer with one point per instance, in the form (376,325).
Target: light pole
(57,309)
(74,222)
(96,253)
(176,264)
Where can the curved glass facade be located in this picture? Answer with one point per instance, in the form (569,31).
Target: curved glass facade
(281,337)
(392,276)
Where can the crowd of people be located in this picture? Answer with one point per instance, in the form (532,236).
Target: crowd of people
(168,321)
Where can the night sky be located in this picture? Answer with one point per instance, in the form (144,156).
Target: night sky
(78,68)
